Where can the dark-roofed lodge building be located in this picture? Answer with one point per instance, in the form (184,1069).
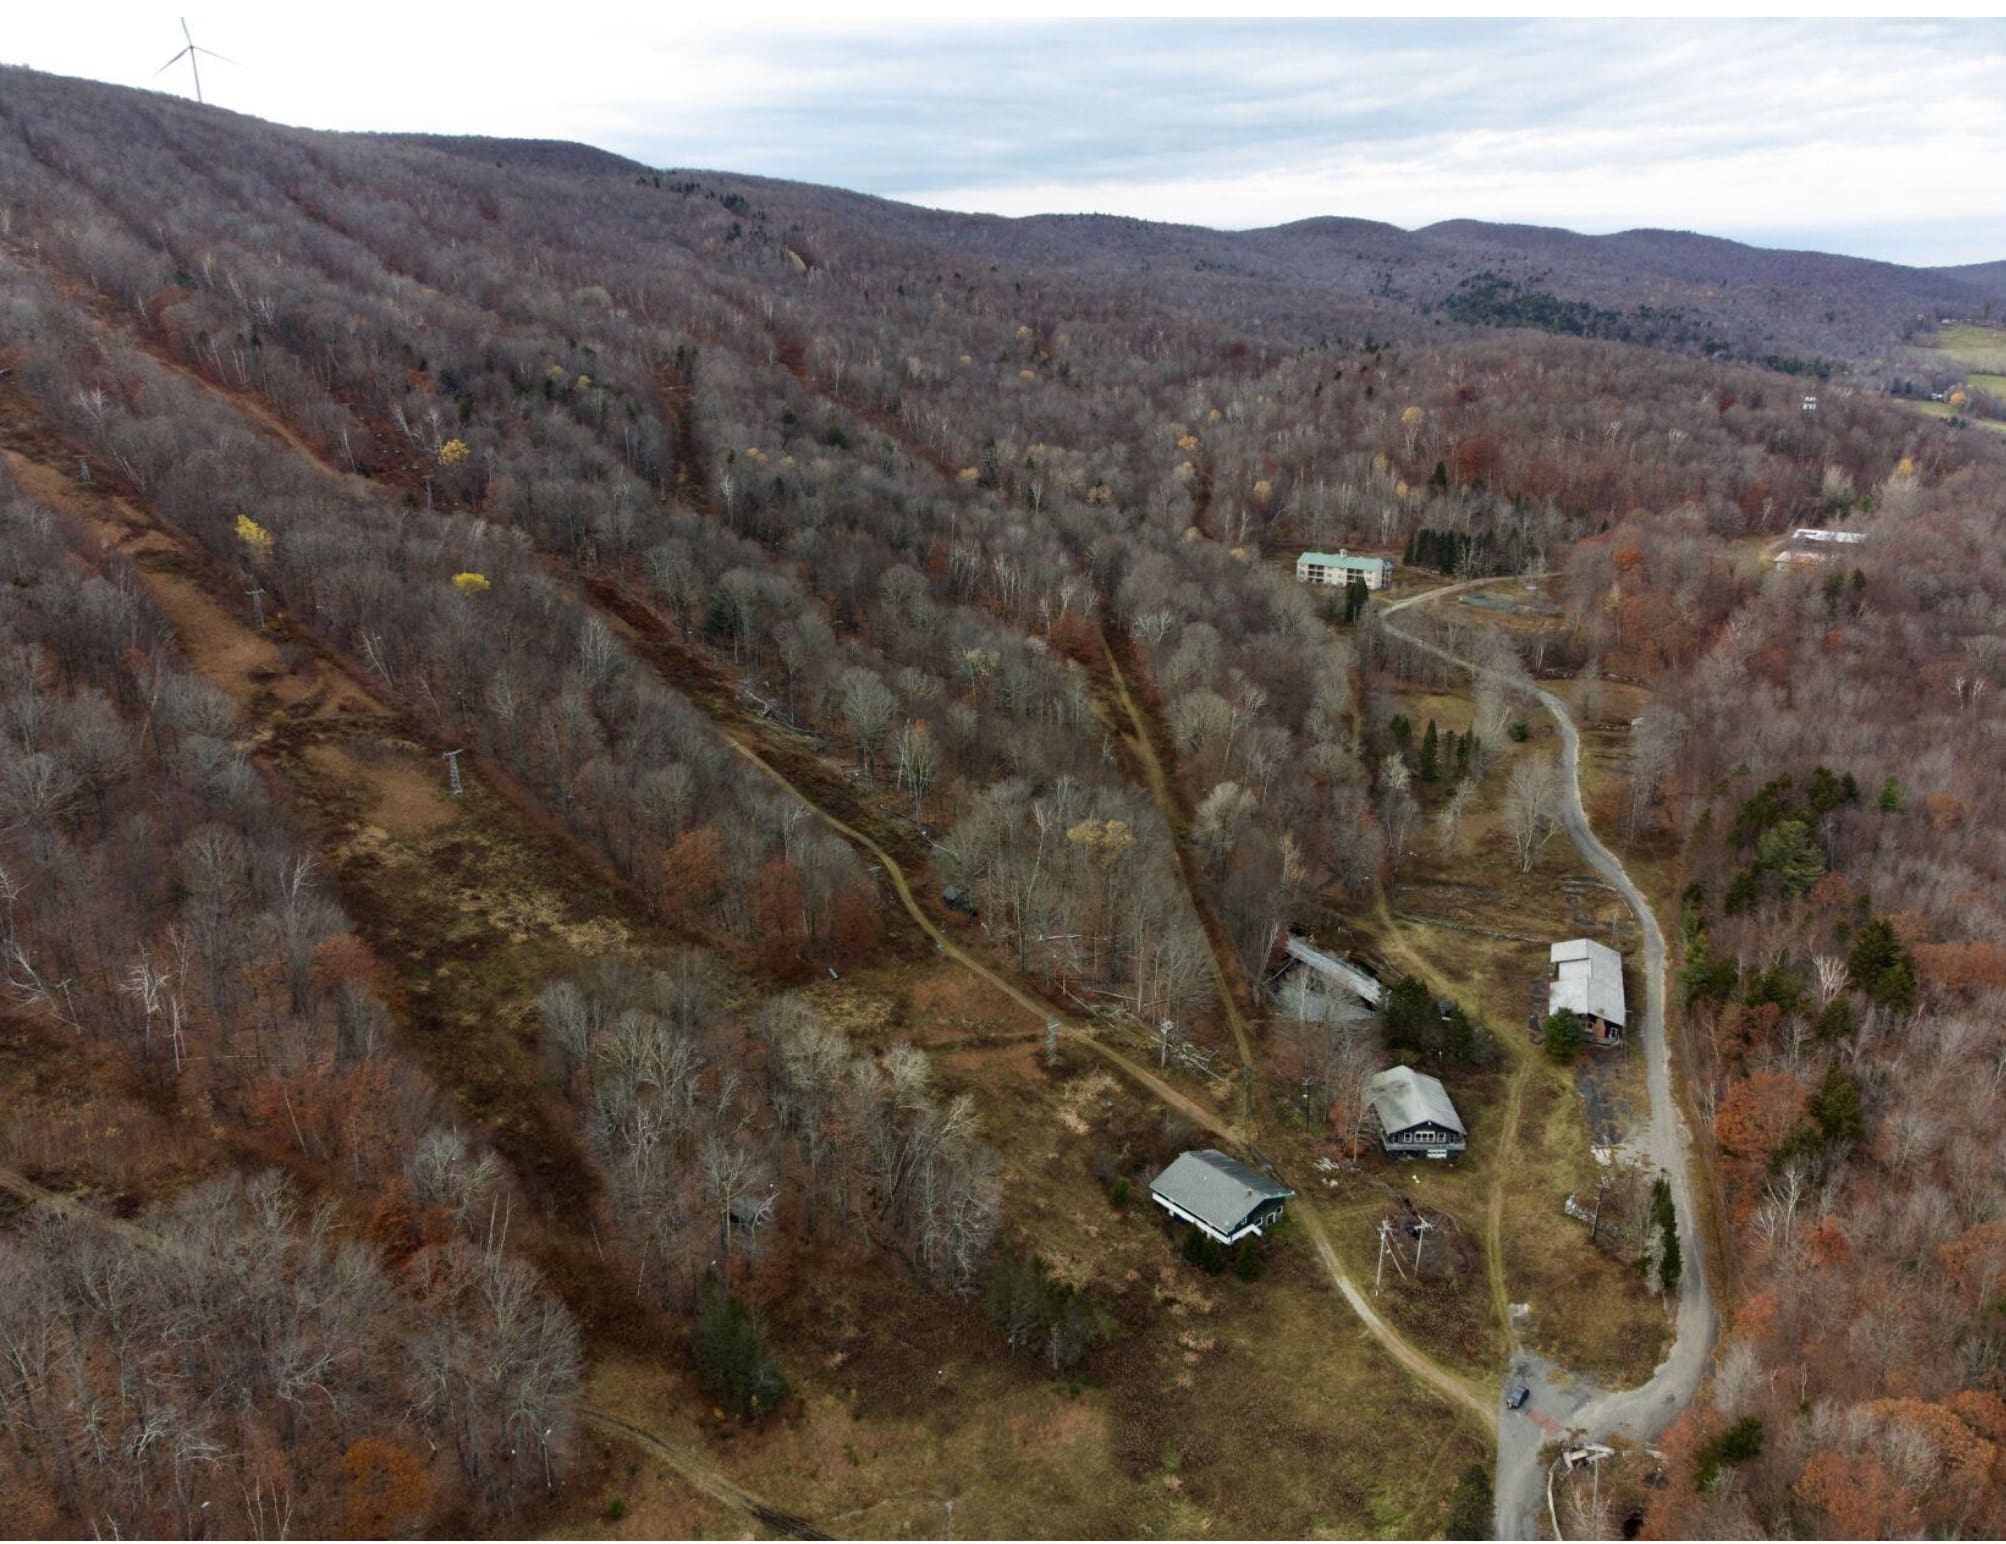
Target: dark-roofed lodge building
(1220,1196)
(1415,1116)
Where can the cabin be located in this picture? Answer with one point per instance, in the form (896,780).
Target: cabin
(1588,982)
(1340,568)
(1415,1116)
(1219,1196)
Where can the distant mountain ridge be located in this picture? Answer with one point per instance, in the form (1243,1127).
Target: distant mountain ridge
(1682,291)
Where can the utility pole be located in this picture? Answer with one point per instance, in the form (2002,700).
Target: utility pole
(1051,1042)
(1421,1227)
(257,594)
(1386,1252)
(453,772)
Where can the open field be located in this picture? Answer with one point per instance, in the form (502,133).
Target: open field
(1205,1380)
(1943,411)
(1967,343)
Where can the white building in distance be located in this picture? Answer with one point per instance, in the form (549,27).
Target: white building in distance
(1340,568)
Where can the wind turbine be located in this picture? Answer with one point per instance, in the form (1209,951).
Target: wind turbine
(192,53)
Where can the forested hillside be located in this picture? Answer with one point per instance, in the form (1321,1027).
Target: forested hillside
(821,594)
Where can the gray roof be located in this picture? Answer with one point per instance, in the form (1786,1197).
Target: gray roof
(1218,1190)
(1343,972)
(1588,979)
(1402,1097)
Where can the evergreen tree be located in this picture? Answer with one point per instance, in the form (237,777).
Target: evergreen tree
(1881,967)
(733,1362)
(1430,764)
(1665,1215)
(1836,1107)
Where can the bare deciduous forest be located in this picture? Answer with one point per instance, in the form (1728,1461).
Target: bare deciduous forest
(790,570)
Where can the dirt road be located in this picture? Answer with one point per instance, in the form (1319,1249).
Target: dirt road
(1462,1394)
(1639,1413)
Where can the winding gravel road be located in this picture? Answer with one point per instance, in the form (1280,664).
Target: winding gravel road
(1558,1404)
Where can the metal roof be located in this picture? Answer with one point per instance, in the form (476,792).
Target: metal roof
(1402,1097)
(1342,560)
(1587,979)
(1217,1190)
(1343,972)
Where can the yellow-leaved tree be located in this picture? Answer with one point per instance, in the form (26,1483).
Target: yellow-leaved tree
(470,583)
(253,535)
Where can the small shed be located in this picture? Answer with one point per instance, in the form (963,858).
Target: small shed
(1588,981)
(1220,1196)
(1343,974)
(1415,1116)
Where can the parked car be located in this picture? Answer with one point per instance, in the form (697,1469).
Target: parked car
(1517,1392)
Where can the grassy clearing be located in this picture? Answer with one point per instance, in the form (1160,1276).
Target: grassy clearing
(1945,412)
(1218,1407)
(1966,343)
(1478,926)
(1589,1310)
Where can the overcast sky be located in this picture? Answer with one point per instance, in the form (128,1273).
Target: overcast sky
(1885,139)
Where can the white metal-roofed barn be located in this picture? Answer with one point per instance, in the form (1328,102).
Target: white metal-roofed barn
(1220,1196)
(1588,982)
(1808,544)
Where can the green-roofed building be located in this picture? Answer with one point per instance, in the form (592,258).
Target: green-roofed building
(1340,568)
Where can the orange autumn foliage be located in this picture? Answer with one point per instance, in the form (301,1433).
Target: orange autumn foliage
(1757,1113)
(777,906)
(344,957)
(1910,926)
(1961,967)
(1963,1458)
(1945,811)
(1756,1316)
(1742,1028)
(693,872)
(1856,1495)
(1976,1260)
(387,1488)
(858,926)
(1983,1411)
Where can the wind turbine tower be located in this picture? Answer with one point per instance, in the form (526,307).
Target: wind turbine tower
(193,54)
